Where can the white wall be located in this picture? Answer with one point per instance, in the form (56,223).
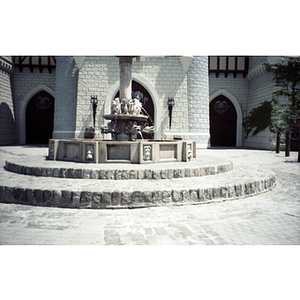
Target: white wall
(163,77)
(261,87)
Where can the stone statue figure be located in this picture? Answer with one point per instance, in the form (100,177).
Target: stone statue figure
(147,152)
(139,95)
(111,127)
(132,128)
(104,129)
(115,106)
(137,107)
(127,107)
(124,106)
(148,129)
(130,106)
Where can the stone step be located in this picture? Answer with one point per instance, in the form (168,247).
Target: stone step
(242,181)
(39,166)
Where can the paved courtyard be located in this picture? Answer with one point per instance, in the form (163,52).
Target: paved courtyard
(272,218)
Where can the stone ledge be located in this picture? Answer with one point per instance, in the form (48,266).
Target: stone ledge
(148,172)
(114,198)
(242,181)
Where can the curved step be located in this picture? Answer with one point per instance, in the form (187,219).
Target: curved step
(39,166)
(242,181)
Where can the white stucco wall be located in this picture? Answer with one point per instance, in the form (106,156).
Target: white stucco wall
(163,77)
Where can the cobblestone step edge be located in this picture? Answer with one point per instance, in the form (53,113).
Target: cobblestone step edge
(111,174)
(116,199)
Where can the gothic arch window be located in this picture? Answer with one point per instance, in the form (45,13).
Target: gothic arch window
(223,122)
(39,118)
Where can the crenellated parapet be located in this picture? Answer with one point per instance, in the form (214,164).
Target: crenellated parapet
(260,69)
(6,65)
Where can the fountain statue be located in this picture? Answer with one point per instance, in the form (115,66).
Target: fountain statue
(127,120)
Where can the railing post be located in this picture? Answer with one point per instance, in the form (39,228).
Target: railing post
(287,143)
(278,142)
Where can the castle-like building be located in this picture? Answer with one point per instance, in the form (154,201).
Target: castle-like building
(199,98)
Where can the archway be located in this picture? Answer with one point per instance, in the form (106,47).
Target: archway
(223,122)
(39,118)
(23,107)
(237,106)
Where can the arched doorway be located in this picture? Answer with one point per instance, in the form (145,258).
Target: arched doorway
(223,122)
(39,118)
(148,107)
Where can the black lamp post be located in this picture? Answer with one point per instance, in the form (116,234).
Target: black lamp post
(94,102)
(171,103)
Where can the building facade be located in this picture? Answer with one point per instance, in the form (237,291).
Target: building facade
(45,97)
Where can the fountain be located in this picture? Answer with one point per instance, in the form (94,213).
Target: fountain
(127,125)
(127,120)
(160,176)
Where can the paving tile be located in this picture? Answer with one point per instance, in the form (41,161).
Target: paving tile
(266,219)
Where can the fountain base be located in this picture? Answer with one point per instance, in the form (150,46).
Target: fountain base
(135,152)
(124,127)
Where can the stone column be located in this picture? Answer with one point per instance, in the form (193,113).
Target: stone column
(125,77)
(198,101)
(65,98)
(7,114)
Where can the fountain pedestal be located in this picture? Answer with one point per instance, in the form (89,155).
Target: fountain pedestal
(125,127)
(111,151)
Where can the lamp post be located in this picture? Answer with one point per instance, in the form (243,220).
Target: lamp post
(90,131)
(94,102)
(171,103)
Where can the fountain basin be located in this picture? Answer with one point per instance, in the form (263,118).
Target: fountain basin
(125,117)
(110,151)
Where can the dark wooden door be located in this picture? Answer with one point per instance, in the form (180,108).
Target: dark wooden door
(39,118)
(223,119)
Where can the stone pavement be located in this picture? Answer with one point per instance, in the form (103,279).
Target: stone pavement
(271,218)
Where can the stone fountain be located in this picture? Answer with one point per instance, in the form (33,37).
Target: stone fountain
(127,125)
(160,176)
(127,120)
